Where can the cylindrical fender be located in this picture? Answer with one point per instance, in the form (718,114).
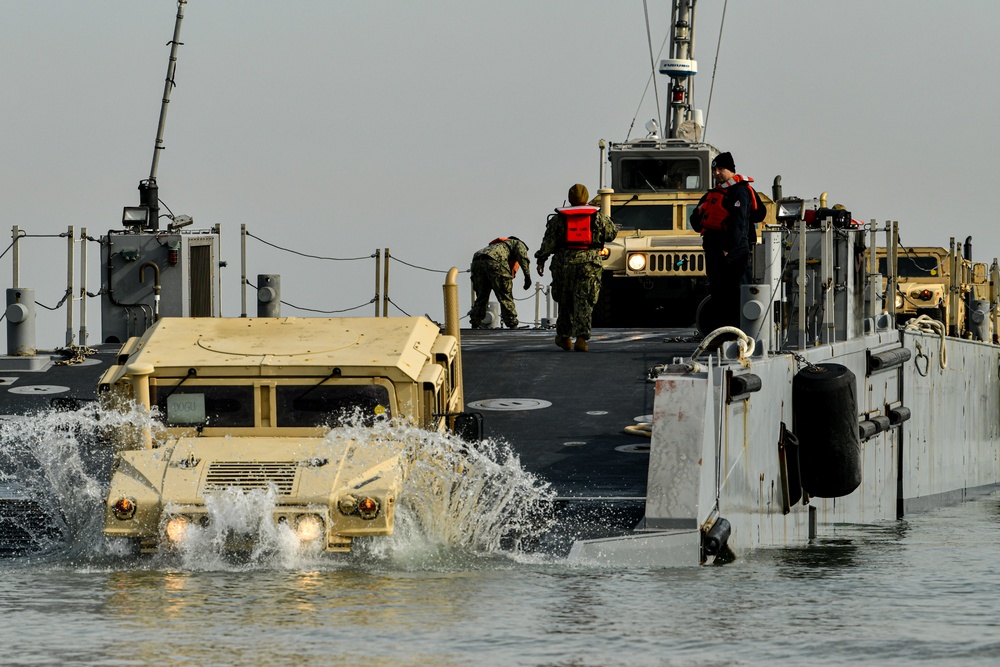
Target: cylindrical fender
(824,402)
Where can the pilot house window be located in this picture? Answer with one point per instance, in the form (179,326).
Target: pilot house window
(660,175)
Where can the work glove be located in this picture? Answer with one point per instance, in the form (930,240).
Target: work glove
(527,280)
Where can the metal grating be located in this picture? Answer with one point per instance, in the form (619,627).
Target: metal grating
(250,475)
(674,263)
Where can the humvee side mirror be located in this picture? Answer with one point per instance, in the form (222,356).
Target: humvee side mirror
(469,426)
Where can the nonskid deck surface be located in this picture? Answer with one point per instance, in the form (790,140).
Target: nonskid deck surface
(564,413)
(54,385)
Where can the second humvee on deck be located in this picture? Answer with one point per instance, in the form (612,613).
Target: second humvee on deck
(938,283)
(654,270)
(247,404)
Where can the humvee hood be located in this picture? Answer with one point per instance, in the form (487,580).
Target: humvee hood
(296,470)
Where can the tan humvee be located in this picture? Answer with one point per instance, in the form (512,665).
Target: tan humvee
(245,404)
(653,273)
(924,283)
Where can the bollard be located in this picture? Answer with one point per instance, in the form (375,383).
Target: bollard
(20,322)
(268,295)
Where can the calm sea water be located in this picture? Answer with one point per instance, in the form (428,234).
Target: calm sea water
(921,591)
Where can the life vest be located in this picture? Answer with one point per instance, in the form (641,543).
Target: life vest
(515,265)
(578,227)
(714,214)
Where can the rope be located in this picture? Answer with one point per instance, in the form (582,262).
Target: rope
(746,344)
(74,354)
(399,309)
(328,312)
(423,268)
(715,66)
(58,305)
(302,254)
(642,429)
(651,79)
(925,324)
(652,64)
(20,235)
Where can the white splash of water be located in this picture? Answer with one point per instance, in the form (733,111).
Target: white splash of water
(234,514)
(471,496)
(458,497)
(61,459)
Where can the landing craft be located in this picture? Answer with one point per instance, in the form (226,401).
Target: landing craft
(664,447)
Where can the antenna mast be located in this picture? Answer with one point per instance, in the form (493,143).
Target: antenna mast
(681,66)
(148,192)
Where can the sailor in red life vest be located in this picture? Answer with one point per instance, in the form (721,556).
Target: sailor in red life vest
(574,236)
(722,219)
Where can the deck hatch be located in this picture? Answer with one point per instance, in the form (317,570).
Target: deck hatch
(250,475)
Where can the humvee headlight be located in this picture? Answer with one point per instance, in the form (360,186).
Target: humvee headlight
(177,528)
(604,253)
(348,504)
(899,301)
(308,527)
(368,508)
(637,262)
(124,509)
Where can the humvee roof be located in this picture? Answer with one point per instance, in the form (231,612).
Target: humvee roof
(287,346)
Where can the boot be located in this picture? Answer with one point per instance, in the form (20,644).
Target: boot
(563,342)
(581,344)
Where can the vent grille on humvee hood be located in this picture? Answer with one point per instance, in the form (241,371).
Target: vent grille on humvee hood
(250,475)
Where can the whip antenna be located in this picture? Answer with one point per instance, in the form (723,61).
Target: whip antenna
(148,192)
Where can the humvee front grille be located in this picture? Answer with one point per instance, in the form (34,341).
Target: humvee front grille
(250,475)
(676,262)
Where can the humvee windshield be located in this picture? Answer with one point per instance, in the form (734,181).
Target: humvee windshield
(659,175)
(214,406)
(913,266)
(330,405)
(232,406)
(631,216)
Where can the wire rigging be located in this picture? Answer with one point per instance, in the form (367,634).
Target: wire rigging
(715,67)
(652,63)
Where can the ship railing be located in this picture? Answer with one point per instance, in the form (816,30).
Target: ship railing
(827,287)
(21,298)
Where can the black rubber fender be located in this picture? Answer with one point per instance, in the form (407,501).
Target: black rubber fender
(825,407)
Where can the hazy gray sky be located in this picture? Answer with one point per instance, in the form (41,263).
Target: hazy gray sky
(431,127)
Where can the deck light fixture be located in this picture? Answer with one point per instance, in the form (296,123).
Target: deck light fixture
(135,216)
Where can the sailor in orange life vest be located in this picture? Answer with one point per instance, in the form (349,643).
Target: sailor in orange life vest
(493,270)
(574,236)
(722,219)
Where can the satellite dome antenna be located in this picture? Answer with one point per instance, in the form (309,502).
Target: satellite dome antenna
(148,191)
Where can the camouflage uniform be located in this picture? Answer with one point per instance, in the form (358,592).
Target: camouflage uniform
(576,274)
(493,269)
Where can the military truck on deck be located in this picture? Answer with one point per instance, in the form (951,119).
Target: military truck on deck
(654,270)
(247,404)
(938,283)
